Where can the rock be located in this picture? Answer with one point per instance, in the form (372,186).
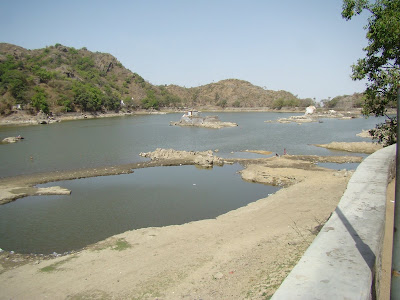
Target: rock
(202,158)
(194,119)
(53,190)
(12,139)
(219,275)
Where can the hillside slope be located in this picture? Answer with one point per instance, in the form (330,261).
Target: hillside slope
(236,93)
(61,79)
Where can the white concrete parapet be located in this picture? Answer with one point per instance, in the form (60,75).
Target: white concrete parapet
(342,261)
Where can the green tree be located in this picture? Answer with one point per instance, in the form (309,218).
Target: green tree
(150,101)
(44,75)
(278,103)
(87,96)
(16,83)
(381,65)
(39,100)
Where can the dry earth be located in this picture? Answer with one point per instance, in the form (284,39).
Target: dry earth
(359,147)
(244,254)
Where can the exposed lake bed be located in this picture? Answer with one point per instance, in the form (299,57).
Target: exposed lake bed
(246,250)
(225,251)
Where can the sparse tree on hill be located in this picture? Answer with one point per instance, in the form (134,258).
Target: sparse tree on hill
(381,65)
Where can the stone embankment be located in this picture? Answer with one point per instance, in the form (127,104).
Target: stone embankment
(344,261)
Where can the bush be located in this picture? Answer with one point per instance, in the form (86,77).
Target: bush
(44,75)
(222,103)
(236,103)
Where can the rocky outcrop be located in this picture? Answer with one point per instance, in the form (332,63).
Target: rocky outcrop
(199,121)
(12,139)
(316,117)
(202,158)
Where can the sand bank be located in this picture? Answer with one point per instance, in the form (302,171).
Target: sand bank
(359,147)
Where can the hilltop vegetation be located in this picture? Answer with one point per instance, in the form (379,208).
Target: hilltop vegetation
(62,79)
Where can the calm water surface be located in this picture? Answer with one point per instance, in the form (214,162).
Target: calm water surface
(104,206)
(111,141)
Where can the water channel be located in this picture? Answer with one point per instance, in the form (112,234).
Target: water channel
(103,206)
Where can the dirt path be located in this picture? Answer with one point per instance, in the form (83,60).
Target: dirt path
(244,254)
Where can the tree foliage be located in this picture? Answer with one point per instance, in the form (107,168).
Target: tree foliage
(39,100)
(89,97)
(381,64)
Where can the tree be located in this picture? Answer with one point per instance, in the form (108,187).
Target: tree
(150,101)
(39,100)
(381,66)
(89,97)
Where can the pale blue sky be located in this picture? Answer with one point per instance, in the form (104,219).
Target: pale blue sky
(302,46)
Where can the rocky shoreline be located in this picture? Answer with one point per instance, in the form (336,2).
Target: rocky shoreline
(21,117)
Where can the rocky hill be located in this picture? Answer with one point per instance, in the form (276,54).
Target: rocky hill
(61,79)
(345,102)
(236,93)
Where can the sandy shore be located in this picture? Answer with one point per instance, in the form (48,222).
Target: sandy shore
(244,254)
(358,147)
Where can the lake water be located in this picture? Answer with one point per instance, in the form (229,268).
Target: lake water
(104,206)
(111,141)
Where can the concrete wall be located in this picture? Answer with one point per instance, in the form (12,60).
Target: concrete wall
(342,261)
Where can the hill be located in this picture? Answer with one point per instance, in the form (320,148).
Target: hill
(61,79)
(345,102)
(237,93)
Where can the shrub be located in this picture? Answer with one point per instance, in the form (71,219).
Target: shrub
(236,103)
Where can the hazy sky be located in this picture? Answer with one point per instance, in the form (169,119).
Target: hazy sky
(302,46)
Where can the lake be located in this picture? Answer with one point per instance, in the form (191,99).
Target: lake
(112,141)
(103,206)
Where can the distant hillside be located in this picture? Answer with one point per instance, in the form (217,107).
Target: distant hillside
(62,79)
(345,102)
(237,93)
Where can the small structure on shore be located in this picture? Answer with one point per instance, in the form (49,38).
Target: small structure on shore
(193,118)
